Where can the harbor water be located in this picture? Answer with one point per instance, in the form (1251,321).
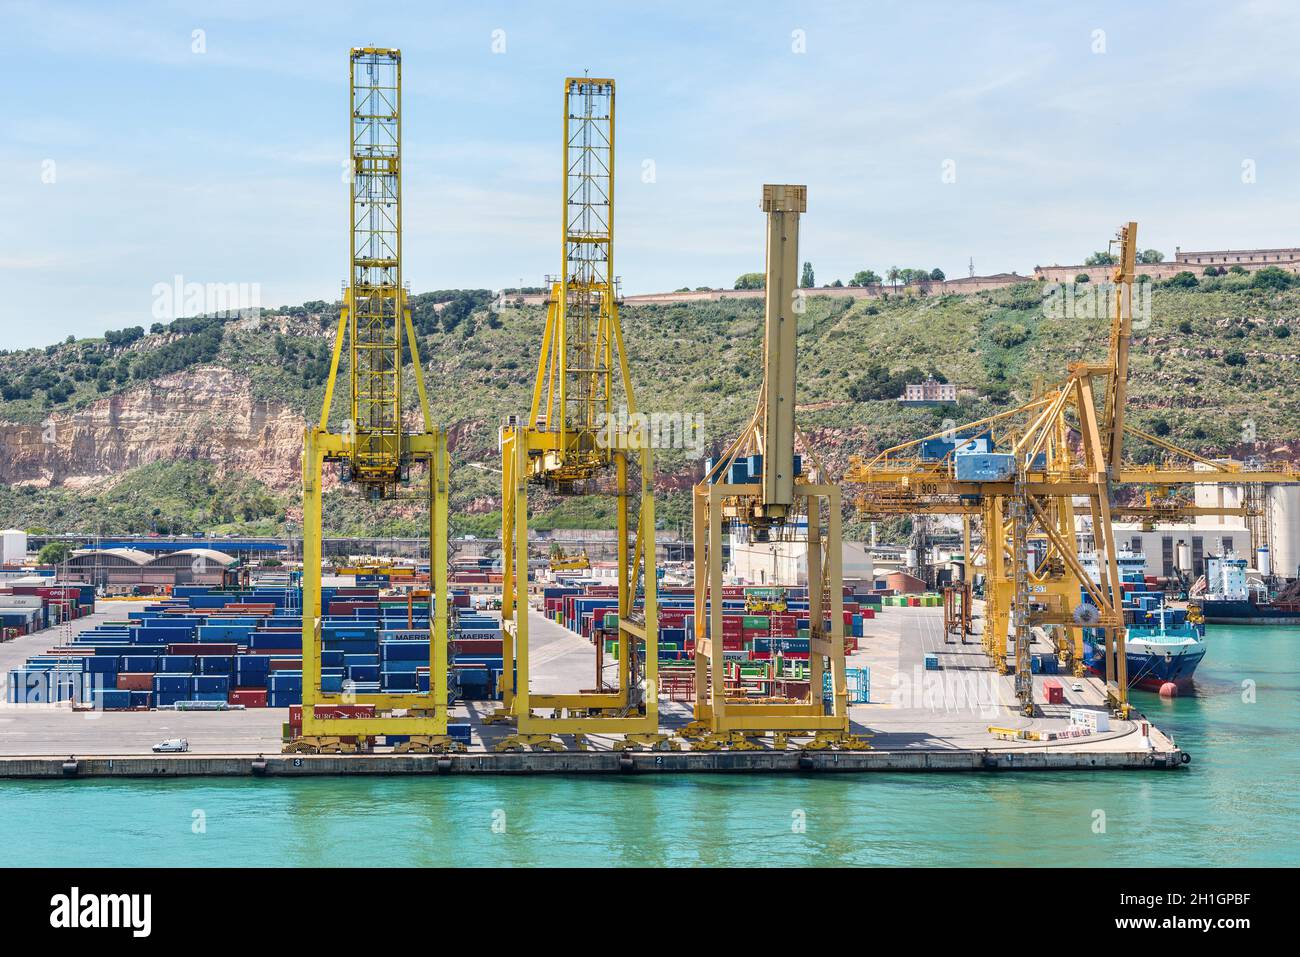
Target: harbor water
(1236,804)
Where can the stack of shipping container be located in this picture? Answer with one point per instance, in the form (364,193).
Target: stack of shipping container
(766,654)
(205,647)
(30,604)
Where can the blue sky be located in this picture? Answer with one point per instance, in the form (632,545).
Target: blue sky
(225,166)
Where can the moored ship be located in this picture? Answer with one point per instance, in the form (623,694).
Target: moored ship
(1232,597)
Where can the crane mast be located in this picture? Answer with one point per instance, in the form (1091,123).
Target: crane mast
(373,450)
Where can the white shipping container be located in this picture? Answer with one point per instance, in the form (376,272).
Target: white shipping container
(1090,718)
(13,546)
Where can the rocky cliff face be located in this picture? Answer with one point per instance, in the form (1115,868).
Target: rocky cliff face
(206,413)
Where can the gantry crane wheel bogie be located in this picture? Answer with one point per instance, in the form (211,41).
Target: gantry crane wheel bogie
(574,441)
(373,449)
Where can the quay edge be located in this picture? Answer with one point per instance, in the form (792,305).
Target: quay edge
(584,762)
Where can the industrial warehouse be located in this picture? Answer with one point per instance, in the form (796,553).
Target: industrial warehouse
(918,570)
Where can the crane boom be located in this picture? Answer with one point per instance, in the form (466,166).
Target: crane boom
(1121,337)
(783,205)
(582,347)
(374,294)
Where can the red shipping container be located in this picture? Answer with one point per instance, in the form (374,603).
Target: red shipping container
(477,646)
(1055,692)
(135,681)
(285,664)
(249,697)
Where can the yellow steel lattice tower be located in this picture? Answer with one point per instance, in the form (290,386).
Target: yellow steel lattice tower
(575,437)
(573,393)
(372,449)
(375,275)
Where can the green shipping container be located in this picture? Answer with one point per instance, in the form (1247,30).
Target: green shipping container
(611,620)
(755,621)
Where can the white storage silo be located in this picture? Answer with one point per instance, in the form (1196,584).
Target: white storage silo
(1284,529)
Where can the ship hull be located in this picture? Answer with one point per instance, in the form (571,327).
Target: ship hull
(1245,612)
(1149,669)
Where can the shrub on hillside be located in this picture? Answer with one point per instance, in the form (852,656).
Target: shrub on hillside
(1271,277)
(1008,334)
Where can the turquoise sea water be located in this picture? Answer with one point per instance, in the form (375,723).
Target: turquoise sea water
(1237,804)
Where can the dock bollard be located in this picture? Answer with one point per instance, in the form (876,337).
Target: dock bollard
(259,766)
(70,766)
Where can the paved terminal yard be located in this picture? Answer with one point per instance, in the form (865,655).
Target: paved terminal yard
(916,720)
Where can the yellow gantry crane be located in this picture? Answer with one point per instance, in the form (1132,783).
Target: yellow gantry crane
(761,484)
(575,441)
(1044,465)
(374,449)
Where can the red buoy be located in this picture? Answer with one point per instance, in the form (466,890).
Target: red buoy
(1169,690)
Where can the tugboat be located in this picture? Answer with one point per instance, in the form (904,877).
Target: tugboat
(1232,597)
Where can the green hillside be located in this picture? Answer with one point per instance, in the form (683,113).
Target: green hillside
(1216,360)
